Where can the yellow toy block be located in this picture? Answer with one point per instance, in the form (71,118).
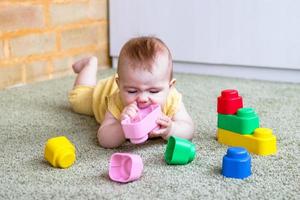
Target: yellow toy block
(60,152)
(261,142)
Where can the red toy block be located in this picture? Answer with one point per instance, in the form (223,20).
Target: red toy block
(229,102)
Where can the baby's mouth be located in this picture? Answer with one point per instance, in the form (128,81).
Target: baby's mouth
(143,105)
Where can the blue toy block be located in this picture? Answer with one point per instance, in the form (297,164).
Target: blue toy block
(236,163)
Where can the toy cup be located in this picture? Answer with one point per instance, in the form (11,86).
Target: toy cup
(137,129)
(179,151)
(60,152)
(236,163)
(125,167)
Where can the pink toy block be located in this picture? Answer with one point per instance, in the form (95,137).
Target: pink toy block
(137,129)
(125,167)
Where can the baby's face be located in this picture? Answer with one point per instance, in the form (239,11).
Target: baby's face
(145,87)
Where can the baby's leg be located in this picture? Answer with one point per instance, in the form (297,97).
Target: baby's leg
(86,69)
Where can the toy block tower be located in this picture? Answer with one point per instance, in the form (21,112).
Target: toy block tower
(239,126)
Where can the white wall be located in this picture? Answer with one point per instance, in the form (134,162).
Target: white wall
(243,38)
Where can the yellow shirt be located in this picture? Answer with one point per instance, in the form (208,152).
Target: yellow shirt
(106,96)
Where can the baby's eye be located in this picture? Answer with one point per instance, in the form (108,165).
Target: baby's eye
(131,91)
(154,91)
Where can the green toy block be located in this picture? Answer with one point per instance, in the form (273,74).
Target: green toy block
(244,122)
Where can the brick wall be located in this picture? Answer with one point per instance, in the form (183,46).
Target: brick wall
(40,39)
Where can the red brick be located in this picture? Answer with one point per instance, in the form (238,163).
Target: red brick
(84,36)
(98,9)
(16,17)
(103,56)
(32,44)
(1,50)
(65,63)
(63,13)
(62,64)
(36,70)
(10,75)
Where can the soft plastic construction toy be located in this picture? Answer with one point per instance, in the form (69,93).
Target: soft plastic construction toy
(137,129)
(125,167)
(236,163)
(60,152)
(244,122)
(229,102)
(179,151)
(261,142)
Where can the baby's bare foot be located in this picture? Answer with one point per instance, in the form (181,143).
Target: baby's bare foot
(80,64)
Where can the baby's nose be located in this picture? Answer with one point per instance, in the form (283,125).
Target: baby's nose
(143,97)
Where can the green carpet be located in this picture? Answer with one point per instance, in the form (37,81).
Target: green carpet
(34,113)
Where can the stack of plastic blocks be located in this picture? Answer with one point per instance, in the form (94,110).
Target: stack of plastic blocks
(239,127)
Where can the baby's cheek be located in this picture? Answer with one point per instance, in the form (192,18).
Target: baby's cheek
(161,100)
(126,100)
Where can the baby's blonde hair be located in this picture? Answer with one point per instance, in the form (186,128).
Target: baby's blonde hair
(142,52)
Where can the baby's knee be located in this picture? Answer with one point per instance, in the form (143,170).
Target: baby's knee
(80,99)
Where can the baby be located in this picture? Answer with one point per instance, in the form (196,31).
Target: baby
(144,77)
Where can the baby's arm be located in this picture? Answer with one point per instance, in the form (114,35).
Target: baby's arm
(181,125)
(110,133)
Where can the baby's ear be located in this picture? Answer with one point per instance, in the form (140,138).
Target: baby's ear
(172,82)
(117,81)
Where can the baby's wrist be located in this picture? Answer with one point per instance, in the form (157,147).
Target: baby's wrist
(123,116)
(166,137)
(169,133)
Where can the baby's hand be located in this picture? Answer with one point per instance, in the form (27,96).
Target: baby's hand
(130,111)
(165,124)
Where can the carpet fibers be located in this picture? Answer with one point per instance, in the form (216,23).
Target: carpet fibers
(34,113)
